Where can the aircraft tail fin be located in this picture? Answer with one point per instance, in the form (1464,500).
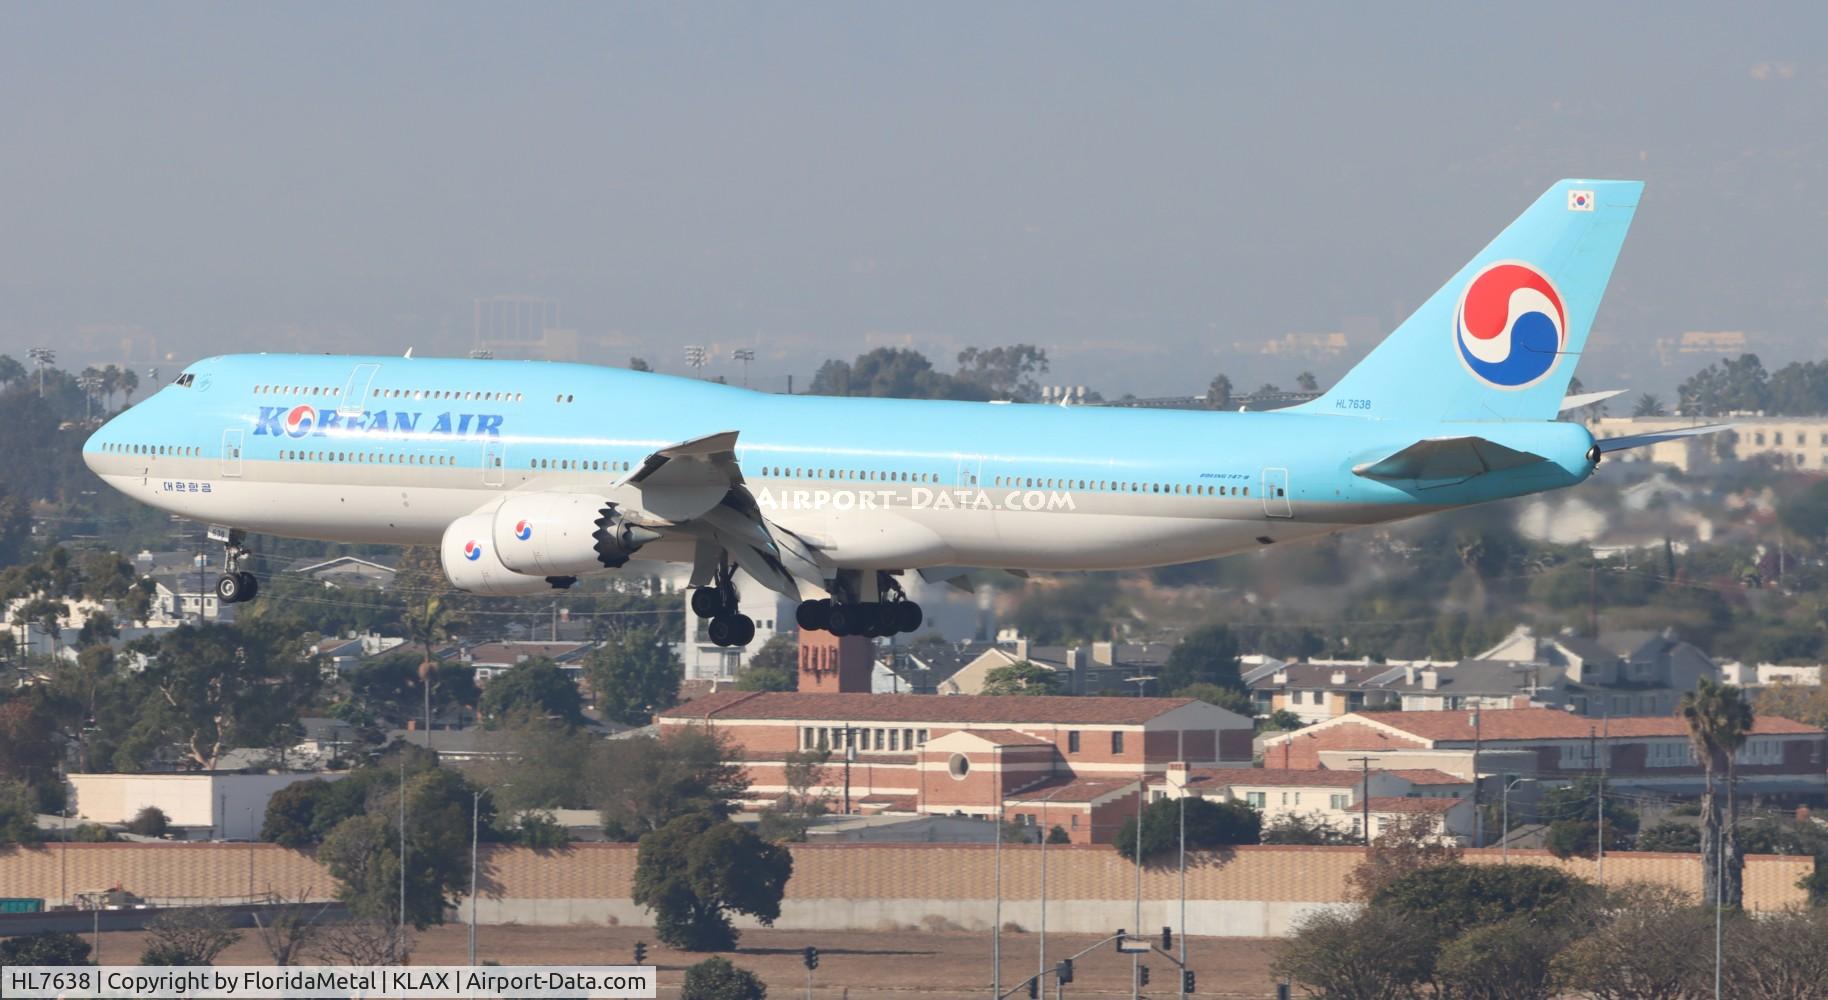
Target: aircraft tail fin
(1500,340)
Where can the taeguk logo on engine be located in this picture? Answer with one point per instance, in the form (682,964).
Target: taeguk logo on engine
(523,530)
(472,551)
(1510,325)
(300,420)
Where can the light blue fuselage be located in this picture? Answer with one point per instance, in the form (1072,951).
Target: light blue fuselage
(395,449)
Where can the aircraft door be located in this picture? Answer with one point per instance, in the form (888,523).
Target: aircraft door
(231,453)
(1275,493)
(968,469)
(494,461)
(355,391)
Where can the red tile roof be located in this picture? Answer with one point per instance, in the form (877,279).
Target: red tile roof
(1426,776)
(1276,776)
(1553,724)
(945,710)
(1072,790)
(1400,804)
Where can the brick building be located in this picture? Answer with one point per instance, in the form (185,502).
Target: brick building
(1648,752)
(965,755)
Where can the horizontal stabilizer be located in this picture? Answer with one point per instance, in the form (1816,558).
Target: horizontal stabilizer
(1579,400)
(1447,460)
(1609,445)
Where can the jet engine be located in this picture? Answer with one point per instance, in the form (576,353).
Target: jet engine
(470,563)
(564,534)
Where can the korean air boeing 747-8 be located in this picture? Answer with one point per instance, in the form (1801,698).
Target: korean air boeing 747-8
(530,475)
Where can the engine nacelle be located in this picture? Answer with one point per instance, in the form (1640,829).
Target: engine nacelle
(470,563)
(564,534)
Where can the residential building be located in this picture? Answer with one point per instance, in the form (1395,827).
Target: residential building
(1792,442)
(208,805)
(1316,690)
(490,658)
(1336,799)
(963,755)
(1554,746)
(1095,668)
(1768,674)
(349,573)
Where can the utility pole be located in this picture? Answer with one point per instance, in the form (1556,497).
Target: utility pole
(1478,817)
(745,355)
(1364,795)
(1602,751)
(402,847)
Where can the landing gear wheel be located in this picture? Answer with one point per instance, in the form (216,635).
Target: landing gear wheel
(813,616)
(843,620)
(907,616)
(707,602)
(881,621)
(229,588)
(731,630)
(250,585)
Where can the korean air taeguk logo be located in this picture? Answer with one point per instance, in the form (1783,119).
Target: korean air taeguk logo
(300,420)
(1510,325)
(472,550)
(523,530)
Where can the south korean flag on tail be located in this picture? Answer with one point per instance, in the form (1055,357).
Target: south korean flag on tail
(1580,201)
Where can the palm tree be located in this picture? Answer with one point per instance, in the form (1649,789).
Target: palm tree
(428,623)
(1719,720)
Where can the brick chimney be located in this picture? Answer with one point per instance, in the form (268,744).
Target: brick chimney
(830,665)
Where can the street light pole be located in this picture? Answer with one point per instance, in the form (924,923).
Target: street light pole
(1504,834)
(475,813)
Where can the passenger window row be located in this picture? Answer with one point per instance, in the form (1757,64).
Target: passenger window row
(1113,486)
(415,394)
(856,475)
(578,465)
(168,450)
(366,457)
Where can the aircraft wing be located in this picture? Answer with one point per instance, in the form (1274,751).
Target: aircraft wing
(1447,460)
(697,487)
(1609,445)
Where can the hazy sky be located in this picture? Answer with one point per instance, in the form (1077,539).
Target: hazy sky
(1135,187)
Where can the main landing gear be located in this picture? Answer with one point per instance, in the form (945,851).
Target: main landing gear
(234,586)
(718,602)
(842,614)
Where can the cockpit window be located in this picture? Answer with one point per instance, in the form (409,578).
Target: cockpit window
(184,380)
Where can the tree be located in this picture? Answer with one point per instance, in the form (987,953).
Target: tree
(789,816)
(191,935)
(1356,955)
(1453,898)
(1574,827)
(1232,699)
(1058,835)
(637,364)
(225,686)
(149,822)
(11,373)
(1510,960)
(1206,655)
(535,687)
(1306,382)
(1671,837)
(1648,405)
(716,979)
(1295,828)
(644,782)
(364,941)
(1021,677)
(1719,720)
(1218,393)
(773,667)
(44,948)
(1649,947)
(293,930)
(634,675)
(1805,512)
(1210,825)
(1410,845)
(18,813)
(1726,386)
(1080,609)
(1003,372)
(540,830)
(698,868)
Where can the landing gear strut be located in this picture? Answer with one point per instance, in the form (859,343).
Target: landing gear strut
(235,585)
(718,602)
(843,614)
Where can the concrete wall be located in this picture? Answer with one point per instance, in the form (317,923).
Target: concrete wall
(1252,891)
